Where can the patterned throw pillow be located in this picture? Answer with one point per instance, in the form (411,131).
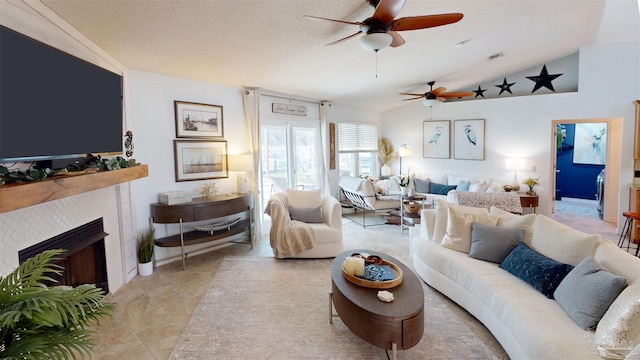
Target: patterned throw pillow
(539,271)
(440,189)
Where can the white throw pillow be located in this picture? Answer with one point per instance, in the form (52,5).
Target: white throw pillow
(453,179)
(440,224)
(562,243)
(458,234)
(478,186)
(304,198)
(618,331)
(513,221)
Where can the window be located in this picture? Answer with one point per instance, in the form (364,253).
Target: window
(357,149)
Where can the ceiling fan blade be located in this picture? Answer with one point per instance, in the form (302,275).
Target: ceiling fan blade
(343,39)
(387,10)
(334,20)
(397,39)
(411,94)
(439,91)
(425,21)
(414,98)
(456,94)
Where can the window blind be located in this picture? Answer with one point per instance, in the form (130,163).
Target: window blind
(357,137)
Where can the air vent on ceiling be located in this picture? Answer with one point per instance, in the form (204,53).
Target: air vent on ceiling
(495,56)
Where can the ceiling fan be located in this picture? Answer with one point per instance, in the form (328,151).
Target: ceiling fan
(436,96)
(381,30)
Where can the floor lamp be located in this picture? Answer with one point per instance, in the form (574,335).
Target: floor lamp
(404,151)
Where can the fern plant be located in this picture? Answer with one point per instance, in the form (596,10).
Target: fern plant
(47,322)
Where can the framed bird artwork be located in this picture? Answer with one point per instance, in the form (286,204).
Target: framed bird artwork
(468,139)
(436,139)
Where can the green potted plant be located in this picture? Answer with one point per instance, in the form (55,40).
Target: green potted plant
(47,322)
(145,244)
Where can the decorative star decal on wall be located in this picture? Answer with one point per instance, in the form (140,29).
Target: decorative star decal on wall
(505,86)
(479,92)
(544,79)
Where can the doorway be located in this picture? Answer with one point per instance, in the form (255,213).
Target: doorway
(290,158)
(581,150)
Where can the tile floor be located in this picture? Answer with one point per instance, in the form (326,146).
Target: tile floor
(152,311)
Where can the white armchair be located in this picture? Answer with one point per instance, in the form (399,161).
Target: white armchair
(314,230)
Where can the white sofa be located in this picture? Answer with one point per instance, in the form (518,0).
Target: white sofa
(528,324)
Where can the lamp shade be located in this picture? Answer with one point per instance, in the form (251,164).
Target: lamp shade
(375,41)
(240,162)
(515,164)
(404,151)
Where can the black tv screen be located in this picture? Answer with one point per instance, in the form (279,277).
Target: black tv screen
(54,105)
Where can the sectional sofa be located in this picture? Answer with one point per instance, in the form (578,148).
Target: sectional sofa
(545,291)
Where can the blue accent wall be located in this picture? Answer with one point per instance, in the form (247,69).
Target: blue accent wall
(575,180)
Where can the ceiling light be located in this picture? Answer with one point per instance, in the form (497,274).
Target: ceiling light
(375,41)
(431,102)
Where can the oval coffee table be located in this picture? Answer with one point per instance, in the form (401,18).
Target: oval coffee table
(399,323)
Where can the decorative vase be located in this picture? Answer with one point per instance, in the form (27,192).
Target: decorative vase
(145,269)
(403,190)
(385,170)
(411,192)
(531,191)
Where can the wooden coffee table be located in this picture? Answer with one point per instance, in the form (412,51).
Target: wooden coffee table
(399,323)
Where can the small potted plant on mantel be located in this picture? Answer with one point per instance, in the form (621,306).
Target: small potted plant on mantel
(146,242)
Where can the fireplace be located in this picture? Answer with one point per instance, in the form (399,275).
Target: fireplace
(84,261)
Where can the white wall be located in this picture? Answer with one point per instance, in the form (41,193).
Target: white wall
(521,126)
(151,113)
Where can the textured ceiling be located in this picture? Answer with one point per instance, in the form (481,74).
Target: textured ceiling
(268,43)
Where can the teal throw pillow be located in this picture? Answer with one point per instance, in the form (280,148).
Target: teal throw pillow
(440,189)
(539,271)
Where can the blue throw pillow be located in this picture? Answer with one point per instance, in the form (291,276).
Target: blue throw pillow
(463,185)
(539,271)
(440,189)
(421,186)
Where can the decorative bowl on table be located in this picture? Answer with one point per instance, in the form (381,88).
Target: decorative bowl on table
(376,284)
(412,207)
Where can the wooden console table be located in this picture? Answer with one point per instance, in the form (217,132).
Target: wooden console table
(529,201)
(204,209)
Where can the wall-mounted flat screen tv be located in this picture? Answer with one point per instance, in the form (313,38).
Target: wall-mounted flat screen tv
(54,105)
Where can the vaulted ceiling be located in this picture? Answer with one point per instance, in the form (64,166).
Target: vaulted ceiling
(269,44)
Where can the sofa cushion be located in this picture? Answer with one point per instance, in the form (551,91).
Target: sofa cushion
(442,215)
(304,198)
(513,221)
(306,215)
(587,291)
(574,247)
(541,272)
(493,243)
(458,234)
(421,186)
(618,261)
(619,329)
(440,189)
(478,186)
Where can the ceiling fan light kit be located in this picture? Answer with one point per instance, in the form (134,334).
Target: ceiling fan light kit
(431,102)
(375,41)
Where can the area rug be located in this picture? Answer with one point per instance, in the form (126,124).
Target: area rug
(379,218)
(264,308)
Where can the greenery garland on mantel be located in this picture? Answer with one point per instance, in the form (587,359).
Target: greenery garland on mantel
(33,174)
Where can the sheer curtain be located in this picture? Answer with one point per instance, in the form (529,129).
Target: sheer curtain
(251,101)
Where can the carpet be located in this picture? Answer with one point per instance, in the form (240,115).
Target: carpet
(264,308)
(379,218)
(569,207)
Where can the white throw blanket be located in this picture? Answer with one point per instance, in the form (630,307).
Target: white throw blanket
(287,237)
(351,183)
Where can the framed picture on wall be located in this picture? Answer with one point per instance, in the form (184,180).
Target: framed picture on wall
(195,120)
(468,139)
(590,144)
(200,159)
(436,139)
